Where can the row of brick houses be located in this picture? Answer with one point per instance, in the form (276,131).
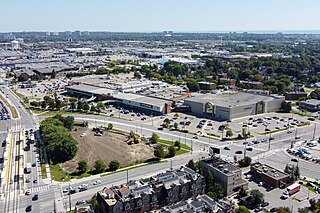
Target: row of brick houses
(162,190)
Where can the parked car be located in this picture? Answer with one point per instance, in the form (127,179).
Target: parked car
(226,148)
(238,152)
(35,197)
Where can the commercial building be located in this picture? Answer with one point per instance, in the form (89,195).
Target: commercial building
(312,105)
(271,176)
(152,104)
(225,173)
(84,208)
(207,85)
(295,95)
(162,190)
(231,105)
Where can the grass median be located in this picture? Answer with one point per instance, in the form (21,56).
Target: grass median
(12,109)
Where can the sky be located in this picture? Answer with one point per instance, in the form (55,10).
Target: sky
(159,15)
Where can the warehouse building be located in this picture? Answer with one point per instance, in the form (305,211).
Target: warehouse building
(231,105)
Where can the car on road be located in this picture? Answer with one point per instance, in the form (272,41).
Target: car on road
(35,181)
(195,137)
(271,138)
(29,208)
(28,192)
(35,197)
(79,202)
(160,128)
(249,149)
(97,182)
(226,148)
(294,159)
(238,152)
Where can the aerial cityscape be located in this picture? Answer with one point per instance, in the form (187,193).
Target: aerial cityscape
(128,106)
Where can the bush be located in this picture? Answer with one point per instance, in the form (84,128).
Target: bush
(159,151)
(171,151)
(154,138)
(82,166)
(114,165)
(245,162)
(100,166)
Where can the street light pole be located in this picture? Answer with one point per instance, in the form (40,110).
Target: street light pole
(69,197)
(314,131)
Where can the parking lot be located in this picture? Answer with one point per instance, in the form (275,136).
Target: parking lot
(4,114)
(273,197)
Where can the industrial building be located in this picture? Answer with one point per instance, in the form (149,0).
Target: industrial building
(231,105)
(225,173)
(271,176)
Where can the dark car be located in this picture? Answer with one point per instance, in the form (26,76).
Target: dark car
(226,148)
(238,152)
(264,204)
(35,181)
(29,208)
(160,128)
(274,209)
(35,197)
(249,149)
(271,138)
(294,160)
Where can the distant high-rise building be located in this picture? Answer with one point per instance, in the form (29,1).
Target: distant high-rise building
(77,33)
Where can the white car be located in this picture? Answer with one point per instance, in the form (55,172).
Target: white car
(83,134)
(195,137)
(97,182)
(28,192)
(83,186)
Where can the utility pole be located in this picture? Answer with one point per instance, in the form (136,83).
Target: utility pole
(314,132)
(54,206)
(245,151)
(269,142)
(69,197)
(191,146)
(141,131)
(127,176)
(171,167)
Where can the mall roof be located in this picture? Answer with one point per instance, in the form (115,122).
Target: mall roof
(230,99)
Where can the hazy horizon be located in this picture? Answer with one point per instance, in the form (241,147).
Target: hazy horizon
(156,16)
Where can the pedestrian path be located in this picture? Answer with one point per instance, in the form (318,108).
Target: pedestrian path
(40,189)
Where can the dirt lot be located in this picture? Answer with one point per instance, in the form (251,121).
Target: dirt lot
(110,146)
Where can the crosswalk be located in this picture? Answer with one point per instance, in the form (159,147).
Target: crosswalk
(40,188)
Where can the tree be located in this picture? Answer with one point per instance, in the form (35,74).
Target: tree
(86,107)
(80,106)
(297,172)
(82,166)
(229,133)
(43,104)
(72,106)
(159,151)
(193,85)
(242,192)
(58,103)
(93,108)
(177,144)
(114,165)
(176,116)
(68,122)
(245,162)
(52,104)
(244,133)
(100,105)
(100,166)
(257,196)
(171,151)
(191,164)
(154,138)
(166,122)
(23,77)
(175,126)
(285,107)
(242,209)
(283,210)
(110,126)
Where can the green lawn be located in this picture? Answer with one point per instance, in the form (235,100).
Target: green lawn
(58,174)
(170,143)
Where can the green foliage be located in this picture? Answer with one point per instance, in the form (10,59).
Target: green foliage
(100,166)
(285,107)
(257,196)
(193,85)
(114,165)
(245,162)
(171,151)
(283,210)
(244,133)
(86,107)
(177,144)
(23,77)
(242,192)
(110,126)
(229,133)
(242,209)
(59,143)
(82,166)
(192,165)
(213,189)
(100,105)
(175,126)
(159,151)
(154,138)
